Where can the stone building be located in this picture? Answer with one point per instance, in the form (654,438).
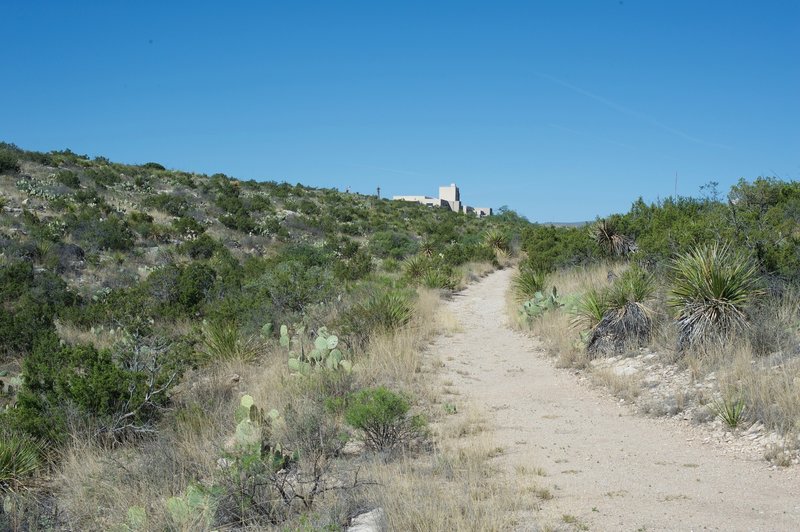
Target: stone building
(449,198)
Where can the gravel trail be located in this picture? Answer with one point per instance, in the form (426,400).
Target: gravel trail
(607,468)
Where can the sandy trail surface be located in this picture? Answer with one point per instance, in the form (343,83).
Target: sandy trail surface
(606,467)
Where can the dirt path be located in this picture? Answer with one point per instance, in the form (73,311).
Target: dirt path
(606,467)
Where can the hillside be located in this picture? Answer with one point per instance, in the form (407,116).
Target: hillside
(141,304)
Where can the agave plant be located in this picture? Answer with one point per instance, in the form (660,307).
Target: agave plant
(712,286)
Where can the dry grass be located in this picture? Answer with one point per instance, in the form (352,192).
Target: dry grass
(627,387)
(455,487)
(769,384)
(452,489)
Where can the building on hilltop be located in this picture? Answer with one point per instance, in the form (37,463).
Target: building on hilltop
(449,198)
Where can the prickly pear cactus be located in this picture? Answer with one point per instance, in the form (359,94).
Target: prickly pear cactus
(325,352)
(540,303)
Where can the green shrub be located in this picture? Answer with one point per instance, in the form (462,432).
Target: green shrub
(712,287)
(68,178)
(202,247)
(169,203)
(383,417)
(153,166)
(9,164)
(60,383)
(392,244)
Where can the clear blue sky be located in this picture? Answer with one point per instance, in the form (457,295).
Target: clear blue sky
(562,110)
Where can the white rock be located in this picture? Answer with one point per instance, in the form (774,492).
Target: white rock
(374,521)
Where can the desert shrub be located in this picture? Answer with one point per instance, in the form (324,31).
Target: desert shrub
(169,203)
(194,283)
(382,416)
(9,163)
(392,244)
(291,285)
(550,248)
(68,178)
(355,267)
(239,221)
(104,177)
(65,386)
(202,247)
(97,233)
(187,225)
(712,287)
(30,301)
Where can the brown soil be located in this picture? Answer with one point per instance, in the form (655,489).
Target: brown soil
(606,467)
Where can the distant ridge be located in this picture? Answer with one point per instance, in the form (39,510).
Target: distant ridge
(565,224)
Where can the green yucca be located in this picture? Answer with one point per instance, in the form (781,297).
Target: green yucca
(387,311)
(712,285)
(527,282)
(414,267)
(590,309)
(438,279)
(634,286)
(731,410)
(605,233)
(497,240)
(19,459)
(223,341)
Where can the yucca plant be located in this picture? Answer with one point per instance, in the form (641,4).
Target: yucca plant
(731,410)
(609,239)
(496,240)
(414,267)
(618,315)
(223,341)
(590,309)
(712,286)
(19,459)
(527,282)
(438,279)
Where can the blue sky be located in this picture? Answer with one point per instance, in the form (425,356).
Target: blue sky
(562,110)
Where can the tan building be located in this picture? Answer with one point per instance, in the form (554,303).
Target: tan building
(450,198)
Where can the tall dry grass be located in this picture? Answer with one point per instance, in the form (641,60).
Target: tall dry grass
(454,487)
